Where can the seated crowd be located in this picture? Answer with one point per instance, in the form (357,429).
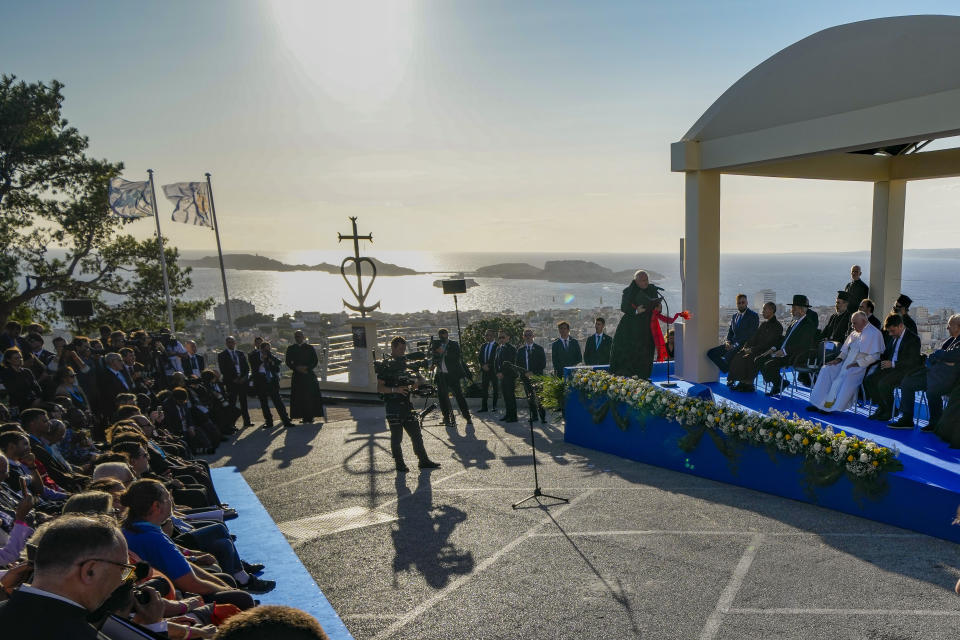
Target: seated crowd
(107,515)
(853,351)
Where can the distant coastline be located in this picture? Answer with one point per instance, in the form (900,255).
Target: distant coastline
(580,271)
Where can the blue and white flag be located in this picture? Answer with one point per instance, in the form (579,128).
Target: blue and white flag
(191,202)
(130,200)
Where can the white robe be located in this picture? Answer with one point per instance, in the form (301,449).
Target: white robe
(837,385)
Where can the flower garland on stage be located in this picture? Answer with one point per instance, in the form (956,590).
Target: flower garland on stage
(828,455)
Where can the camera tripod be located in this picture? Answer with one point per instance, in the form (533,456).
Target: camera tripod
(532,412)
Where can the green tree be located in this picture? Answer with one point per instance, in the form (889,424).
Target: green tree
(59,238)
(252,320)
(473,335)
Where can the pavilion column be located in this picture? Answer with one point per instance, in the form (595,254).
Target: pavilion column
(886,244)
(701,269)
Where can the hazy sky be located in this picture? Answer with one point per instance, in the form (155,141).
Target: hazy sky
(481,125)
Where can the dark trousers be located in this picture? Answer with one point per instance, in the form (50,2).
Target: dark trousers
(721,356)
(271,391)
(238,391)
(446,383)
(917,381)
(507,385)
(214,539)
(488,379)
(770,368)
(880,386)
(538,409)
(406,421)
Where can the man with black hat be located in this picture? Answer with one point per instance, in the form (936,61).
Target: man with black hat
(838,326)
(902,308)
(856,289)
(798,339)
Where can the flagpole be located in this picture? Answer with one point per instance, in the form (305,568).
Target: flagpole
(163,258)
(223,273)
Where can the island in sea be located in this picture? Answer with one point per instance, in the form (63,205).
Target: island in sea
(581,271)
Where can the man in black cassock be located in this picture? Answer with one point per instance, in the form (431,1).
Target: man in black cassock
(305,399)
(633,350)
(838,326)
(902,308)
(856,289)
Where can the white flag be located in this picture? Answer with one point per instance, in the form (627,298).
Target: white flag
(130,200)
(191,202)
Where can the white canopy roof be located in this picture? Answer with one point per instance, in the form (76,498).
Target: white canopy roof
(861,86)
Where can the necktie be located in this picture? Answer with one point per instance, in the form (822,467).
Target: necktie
(896,350)
(599,338)
(528,358)
(564,345)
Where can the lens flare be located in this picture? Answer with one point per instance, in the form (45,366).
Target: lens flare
(567,298)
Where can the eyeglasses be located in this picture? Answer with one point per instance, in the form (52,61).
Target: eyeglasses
(128,568)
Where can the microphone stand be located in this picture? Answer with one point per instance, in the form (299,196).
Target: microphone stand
(532,404)
(668,384)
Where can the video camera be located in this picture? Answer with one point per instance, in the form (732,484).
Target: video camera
(403,372)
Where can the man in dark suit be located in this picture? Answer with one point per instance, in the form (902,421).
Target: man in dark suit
(798,339)
(743,325)
(112,382)
(899,359)
(856,289)
(533,360)
(193,363)
(79,562)
(565,351)
(179,419)
(449,370)
(265,368)
(235,372)
(506,355)
(867,306)
(596,348)
(488,374)
(937,379)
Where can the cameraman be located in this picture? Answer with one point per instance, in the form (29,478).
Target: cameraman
(395,386)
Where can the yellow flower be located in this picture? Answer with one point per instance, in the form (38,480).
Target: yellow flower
(786,437)
(828,449)
(876,464)
(849,458)
(805,441)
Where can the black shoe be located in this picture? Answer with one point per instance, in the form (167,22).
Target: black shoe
(928,428)
(256,585)
(252,568)
(429,464)
(288,424)
(307,421)
(248,424)
(482,410)
(267,425)
(774,390)
(230,514)
(879,415)
(402,468)
(813,408)
(744,388)
(904,422)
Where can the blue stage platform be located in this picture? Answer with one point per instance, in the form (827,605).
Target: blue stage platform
(922,497)
(259,540)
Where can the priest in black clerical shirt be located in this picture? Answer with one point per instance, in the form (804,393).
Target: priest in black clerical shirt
(902,308)
(856,289)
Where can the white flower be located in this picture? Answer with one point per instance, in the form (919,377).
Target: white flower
(864,457)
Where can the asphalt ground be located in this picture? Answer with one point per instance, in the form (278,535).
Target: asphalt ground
(639,551)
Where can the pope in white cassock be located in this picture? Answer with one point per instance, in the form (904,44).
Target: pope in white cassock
(836,386)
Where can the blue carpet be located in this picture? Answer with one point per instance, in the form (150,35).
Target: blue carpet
(259,540)
(925,457)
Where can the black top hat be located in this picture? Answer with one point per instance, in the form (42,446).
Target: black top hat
(842,295)
(904,301)
(800,300)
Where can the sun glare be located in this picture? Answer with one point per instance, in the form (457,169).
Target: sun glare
(354,51)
